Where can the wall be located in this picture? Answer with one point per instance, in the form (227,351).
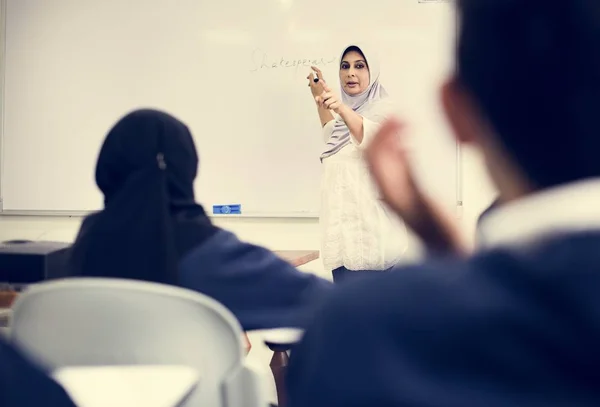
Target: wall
(277,234)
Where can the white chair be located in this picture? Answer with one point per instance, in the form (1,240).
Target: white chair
(108,322)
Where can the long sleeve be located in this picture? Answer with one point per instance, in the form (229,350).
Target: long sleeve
(369,130)
(327,130)
(372,120)
(262,290)
(22,384)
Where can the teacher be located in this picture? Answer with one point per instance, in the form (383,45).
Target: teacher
(359,233)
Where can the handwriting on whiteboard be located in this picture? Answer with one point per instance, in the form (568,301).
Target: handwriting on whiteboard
(263,61)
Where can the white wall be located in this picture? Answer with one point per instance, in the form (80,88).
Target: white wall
(276,234)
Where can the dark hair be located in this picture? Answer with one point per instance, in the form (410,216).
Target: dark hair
(534,69)
(354,48)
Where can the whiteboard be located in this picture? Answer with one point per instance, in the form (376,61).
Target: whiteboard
(233,70)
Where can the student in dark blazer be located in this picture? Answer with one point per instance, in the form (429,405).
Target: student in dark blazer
(23,384)
(517,323)
(151,228)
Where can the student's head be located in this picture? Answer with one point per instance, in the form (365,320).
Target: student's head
(144,141)
(146,170)
(354,71)
(527,90)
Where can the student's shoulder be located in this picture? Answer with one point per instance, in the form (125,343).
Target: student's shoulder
(413,293)
(224,244)
(220,238)
(221,241)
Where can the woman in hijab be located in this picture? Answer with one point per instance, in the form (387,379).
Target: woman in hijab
(22,384)
(358,231)
(152,229)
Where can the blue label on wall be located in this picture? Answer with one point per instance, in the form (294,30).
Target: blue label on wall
(227,209)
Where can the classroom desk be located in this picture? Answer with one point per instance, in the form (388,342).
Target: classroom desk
(7,297)
(298,257)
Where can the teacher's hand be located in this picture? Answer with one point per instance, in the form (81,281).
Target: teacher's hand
(329,100)
(316,87)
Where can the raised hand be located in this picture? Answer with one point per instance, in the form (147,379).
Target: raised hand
(316,87)
(390,167)
(329,100)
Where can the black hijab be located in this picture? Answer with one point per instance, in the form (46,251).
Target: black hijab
(146,171)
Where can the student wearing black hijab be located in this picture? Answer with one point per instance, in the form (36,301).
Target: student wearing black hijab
(22,384)
(152,229)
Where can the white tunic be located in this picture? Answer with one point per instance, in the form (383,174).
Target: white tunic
(357,230)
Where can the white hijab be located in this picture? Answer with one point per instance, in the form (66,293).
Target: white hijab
(367,104)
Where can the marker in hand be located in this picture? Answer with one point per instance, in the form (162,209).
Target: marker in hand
(329,100)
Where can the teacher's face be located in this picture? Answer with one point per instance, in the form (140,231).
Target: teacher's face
(354,73)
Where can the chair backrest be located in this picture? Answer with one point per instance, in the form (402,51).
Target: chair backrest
(98,322)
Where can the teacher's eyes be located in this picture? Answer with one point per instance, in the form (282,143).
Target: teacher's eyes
(345,66)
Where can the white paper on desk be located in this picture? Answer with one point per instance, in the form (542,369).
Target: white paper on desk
(127,386)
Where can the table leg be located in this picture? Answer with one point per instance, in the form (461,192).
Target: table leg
(278,365)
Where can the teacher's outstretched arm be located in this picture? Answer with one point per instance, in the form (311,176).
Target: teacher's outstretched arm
(316,84)
(330,101)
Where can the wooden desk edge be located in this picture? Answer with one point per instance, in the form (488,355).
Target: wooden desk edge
(7,298)
(298,257)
